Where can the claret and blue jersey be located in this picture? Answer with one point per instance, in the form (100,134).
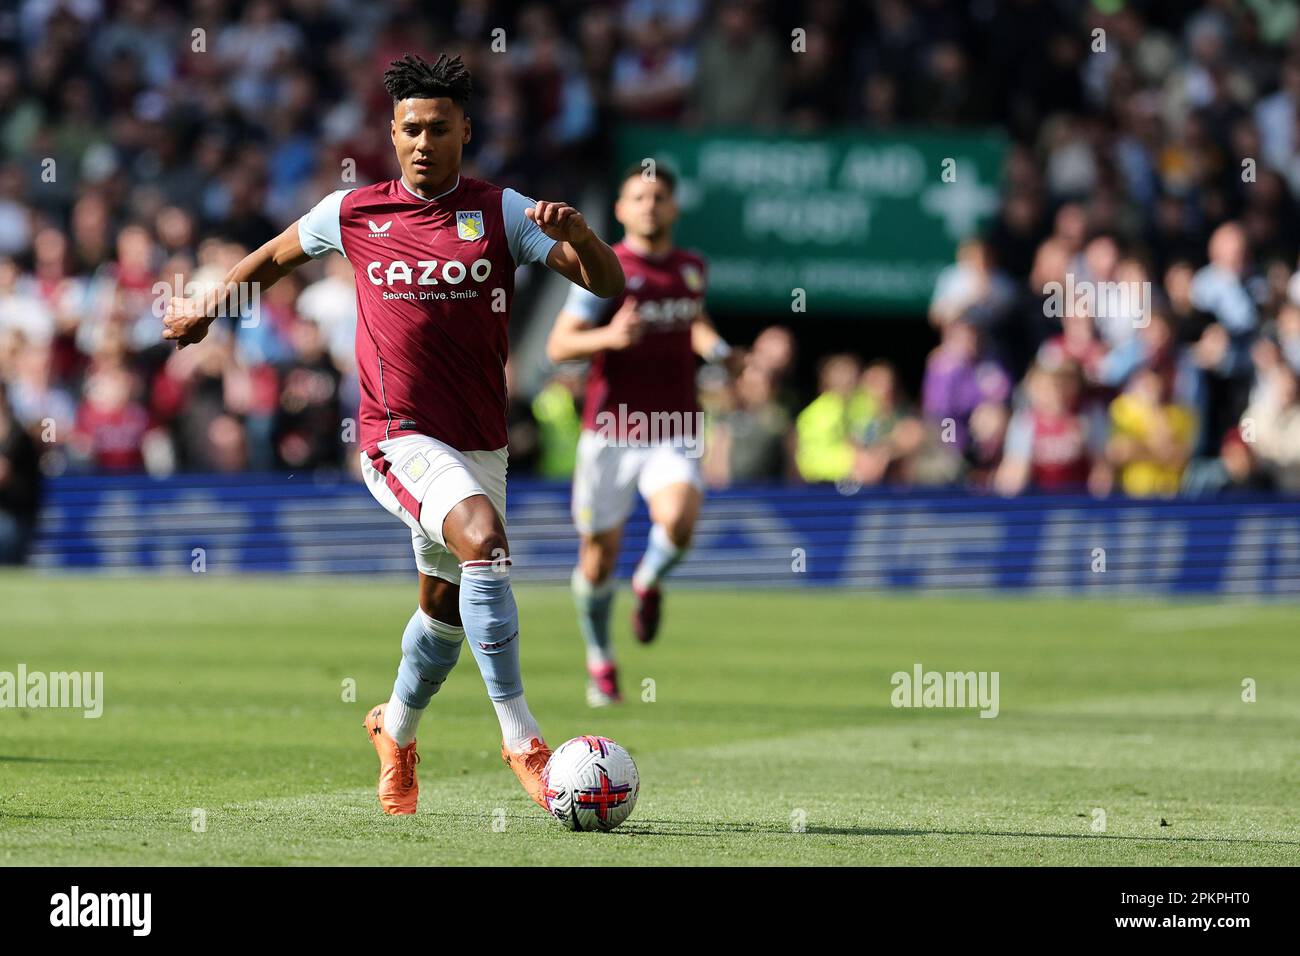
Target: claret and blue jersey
(435,282)
(657,374)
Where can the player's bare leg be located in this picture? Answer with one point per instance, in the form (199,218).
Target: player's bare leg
(430,649)
(475,534)
(673,510)
(593,594)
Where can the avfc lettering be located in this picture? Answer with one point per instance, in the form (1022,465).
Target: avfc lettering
(450,271)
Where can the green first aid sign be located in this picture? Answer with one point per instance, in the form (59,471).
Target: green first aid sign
(859,222)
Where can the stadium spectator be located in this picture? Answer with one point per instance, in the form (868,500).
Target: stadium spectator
(557,411)
(189,393)
(818,81)
(1220,290)
(20,486)
(331,303)
(306,430)
(677,18)
(1077,343)
(523,431)
(557,96)
(252,51)
(651,79)
(34,396)
(894,433)
(973,289)
(1151,437)
(1288,334)
(774,352)
(1271,429)
(111,423)
(826,429)
(988,433)
(21,307)
(739,76)
(1155,347)
(750,436)
(1050,443)
(1235,468)
(961,377)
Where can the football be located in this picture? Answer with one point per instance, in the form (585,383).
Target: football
(591,783)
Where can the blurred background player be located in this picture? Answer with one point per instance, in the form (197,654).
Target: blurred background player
(642,428)
(434,254)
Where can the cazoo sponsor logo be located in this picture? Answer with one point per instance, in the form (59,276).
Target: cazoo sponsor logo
(428,272)
(669,313)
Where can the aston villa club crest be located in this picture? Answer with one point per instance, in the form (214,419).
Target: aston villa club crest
(416,467)
(469,224)
(692,276)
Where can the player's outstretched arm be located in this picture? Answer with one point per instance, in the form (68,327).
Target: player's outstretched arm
(186,320)
(578,254)
(573,338)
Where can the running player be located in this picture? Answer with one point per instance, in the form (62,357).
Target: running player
(434,254)
(641,423)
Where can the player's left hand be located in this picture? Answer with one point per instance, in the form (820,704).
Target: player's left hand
(185,321)
(560,221)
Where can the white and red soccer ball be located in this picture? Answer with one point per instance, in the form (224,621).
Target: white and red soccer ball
(590,783)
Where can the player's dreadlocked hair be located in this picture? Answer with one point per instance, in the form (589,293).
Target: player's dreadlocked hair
(413,76)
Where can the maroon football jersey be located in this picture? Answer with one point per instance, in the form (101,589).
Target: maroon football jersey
(435,281)
(657,374)
(1060,452)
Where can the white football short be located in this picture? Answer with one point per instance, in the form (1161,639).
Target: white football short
(607,478)
(420,479)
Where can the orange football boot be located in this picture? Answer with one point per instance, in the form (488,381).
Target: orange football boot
(528,765)
(398,789)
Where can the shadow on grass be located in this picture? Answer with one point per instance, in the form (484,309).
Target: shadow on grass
(639,828)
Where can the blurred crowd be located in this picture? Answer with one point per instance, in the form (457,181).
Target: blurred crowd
(145,146)
(1095,372)
(1131,319)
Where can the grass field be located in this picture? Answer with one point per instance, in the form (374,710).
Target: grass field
(771,738)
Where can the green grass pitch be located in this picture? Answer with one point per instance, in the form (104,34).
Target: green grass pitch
(770,739)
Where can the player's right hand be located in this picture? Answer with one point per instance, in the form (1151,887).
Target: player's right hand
(185,321)
(625,326)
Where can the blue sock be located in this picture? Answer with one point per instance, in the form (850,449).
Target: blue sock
(594,602)
(491,619)
(430,650)
(659,558)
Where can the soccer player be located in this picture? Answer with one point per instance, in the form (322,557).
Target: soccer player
(434,254)
(643,347)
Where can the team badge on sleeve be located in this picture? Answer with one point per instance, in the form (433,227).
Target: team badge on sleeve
(469,224)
